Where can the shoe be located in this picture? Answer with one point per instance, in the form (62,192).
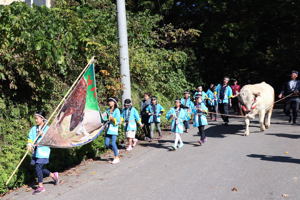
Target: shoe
(203,140)
(290,119)
(225,124)
(115,161)
(180,145)
(129,148)
(174,147)
(56,178)
(134,142)
(186,131)
(200,142)
(39,190)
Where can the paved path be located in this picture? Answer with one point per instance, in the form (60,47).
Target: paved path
(262,166)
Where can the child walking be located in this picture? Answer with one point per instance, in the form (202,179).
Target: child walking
(212,102)
(155,111)
(40,155)
(113,116)
(130,117)
(177,114)
(188,105)
(200,112)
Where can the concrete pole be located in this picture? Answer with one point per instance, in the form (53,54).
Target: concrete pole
(123,43)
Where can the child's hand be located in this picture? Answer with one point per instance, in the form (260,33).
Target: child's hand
(111,118)
(30,147)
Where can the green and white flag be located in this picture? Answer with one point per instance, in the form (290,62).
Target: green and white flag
(79,120)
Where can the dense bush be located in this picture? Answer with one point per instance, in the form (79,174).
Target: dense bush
(43,50)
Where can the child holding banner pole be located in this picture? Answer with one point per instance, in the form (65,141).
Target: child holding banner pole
(113,116)
(40,156)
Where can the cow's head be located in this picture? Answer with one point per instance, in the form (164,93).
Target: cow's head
(248,99)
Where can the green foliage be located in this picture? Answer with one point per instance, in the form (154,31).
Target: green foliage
(43,50)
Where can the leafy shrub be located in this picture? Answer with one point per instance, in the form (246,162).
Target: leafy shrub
(43,50)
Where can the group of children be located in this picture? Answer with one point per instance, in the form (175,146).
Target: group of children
(151,111)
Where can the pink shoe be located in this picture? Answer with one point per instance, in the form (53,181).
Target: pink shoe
(56,178)
(134,142)
(39,190)
(129,148)
(200,141)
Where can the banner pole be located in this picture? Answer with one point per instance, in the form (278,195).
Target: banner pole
(92,60)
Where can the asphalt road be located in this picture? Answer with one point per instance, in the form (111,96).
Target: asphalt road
(262,166)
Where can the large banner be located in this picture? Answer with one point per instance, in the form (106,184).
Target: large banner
(79,120)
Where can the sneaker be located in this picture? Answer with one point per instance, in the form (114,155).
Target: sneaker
(290,119)
(115,161)
(134,142)
(174,147)
(180,145)
(56,178)
(203,140)
(39,190)
(129,148)
(200,142)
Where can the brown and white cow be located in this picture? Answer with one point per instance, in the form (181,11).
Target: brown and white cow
(257,99)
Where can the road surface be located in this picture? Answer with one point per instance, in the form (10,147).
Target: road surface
(262,166)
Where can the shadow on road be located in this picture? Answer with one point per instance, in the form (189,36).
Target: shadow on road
(283,159)
(292,136)
(165,144)
(220,131)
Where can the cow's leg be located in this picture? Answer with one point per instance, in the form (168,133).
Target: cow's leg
(247,123)
(262,115)
(249,116)
(268,118)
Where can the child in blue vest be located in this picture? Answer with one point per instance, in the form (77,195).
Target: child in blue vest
(188,105)
(40,156)
(212,102)
(130,117)
(200,112)
(113,116)
(177,114)
(155,111)
(200,92)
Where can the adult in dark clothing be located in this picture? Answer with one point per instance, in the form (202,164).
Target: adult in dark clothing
(144,115)
(291,87)
(224,95)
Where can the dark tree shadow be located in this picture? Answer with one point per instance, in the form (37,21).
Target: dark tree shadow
(292,136)
(283,159)
(220,131)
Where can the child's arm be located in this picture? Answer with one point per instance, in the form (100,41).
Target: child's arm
(170,115)
(30,140)
(137,117)
(162,110)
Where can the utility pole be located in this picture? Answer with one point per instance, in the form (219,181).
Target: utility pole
(123,44)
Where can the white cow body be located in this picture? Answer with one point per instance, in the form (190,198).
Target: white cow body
(257,99)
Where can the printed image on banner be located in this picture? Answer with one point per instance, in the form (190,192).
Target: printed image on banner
(79,121)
